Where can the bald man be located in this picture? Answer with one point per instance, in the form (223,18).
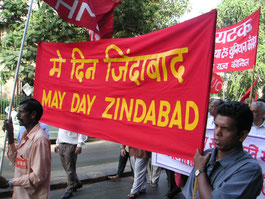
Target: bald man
(258,126)
(213,112)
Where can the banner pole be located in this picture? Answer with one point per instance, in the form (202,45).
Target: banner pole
(251,90)
(195,188)
(15,82)
(151,177)
(225,87)
(253,72)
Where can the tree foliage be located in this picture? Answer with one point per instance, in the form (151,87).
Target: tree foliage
(138,17)
(231,12)
(132,18)
(12,13)
(45,25)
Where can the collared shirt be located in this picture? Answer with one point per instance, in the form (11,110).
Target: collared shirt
(69,137)
(258,130)
(22,130)
(34,180)
(237,175)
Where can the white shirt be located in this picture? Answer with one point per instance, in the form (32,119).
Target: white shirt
(258,130)
(210,123)
(69,137)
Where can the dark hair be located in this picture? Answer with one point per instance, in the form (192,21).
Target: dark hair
(221,102)
(216,99)
(33,105)
(239,112)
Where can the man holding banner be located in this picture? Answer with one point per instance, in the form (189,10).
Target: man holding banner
(227,171)
(31,157)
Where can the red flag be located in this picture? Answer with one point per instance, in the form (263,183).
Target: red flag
(236,45)
(256,95)
(246,95)
(104,19)
(141,91)
(95,15)
(216,83)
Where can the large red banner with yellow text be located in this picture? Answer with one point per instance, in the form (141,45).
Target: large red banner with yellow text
(149,92)
(236,45)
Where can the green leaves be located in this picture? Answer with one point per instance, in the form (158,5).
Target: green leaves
(134,18)
(45,25)
(13,12)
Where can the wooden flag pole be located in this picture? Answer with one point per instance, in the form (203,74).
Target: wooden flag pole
(251,90)
(253,72)
(15,82)
(195,188)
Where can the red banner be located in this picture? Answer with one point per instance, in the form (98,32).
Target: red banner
(146,92)
(216,83)
(236,45)
(95,15)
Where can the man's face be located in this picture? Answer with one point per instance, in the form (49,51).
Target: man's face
(23,116)
(226,137)
(213,107)
(257,114)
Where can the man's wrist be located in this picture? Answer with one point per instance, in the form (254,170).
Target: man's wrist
(199,171)
(10,139)
(10,183)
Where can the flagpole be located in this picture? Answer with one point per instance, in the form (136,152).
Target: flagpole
(225,86)
(251,90)
(253,72)
(195,188)
(15,82)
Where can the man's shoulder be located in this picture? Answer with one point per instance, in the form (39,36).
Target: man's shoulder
(246,157)
(41,135)
(241,160)
(245,162)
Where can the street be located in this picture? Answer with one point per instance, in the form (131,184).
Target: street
(115,190)
(106,152)
(98,158)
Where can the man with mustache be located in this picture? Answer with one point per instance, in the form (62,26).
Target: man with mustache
(31,157)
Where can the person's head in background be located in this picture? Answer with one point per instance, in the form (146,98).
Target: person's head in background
(258,110)
(214,105)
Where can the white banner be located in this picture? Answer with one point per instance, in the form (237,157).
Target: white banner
(253,144)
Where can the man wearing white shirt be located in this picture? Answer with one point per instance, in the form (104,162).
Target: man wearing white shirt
(69,145)
(258,126)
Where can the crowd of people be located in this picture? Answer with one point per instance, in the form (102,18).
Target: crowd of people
(226,171)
